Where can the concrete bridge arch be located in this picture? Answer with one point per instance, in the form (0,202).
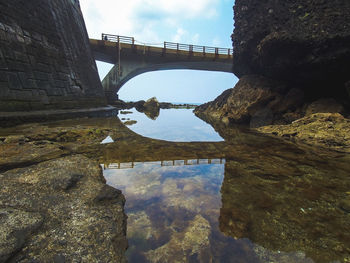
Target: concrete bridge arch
(131,60)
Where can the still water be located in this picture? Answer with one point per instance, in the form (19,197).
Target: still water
(244,198)
(171,125)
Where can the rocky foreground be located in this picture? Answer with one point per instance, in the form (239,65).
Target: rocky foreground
(54,203)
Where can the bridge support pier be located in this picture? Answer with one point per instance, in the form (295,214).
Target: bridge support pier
(110,85)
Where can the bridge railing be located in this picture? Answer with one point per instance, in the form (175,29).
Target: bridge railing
(172,45)
(129,165)
(196,48)
(117,38)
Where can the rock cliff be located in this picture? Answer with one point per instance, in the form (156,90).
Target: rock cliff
(45,57)
(292,58)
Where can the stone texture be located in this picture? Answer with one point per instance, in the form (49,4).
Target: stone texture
(287,204)
(61,211)
(304,42)
(191,244)
(45,57)
(329,130)
(15,228)
(303,46)
(255,100)
(324,106)
(150,107)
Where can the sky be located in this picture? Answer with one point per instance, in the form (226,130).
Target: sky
(200,22)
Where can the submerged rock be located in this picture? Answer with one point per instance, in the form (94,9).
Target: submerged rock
(292,207)
(190,245)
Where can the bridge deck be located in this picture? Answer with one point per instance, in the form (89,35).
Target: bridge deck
(168,49)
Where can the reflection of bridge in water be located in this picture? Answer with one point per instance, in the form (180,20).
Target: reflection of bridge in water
(130,165)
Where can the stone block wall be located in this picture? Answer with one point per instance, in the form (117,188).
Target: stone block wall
(45,57)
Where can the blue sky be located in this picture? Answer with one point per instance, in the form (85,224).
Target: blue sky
(202,22)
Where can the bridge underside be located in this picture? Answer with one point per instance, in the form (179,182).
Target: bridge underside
(132,60)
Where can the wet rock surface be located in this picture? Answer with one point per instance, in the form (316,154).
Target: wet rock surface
(281,201)
(328,130)
(71,215)
(54,203)
(292,212)
(55,210)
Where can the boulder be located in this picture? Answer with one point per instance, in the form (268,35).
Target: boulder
(151,108)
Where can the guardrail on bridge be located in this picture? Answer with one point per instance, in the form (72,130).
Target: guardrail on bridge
(171,45)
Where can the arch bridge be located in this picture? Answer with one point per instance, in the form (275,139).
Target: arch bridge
(131,58)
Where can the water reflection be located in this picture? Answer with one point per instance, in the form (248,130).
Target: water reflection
(270,201)
(171,125)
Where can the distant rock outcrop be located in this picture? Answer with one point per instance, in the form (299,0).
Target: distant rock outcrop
(150,107)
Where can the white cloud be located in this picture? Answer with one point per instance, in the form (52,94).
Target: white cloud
(143,18)
(195,39)
(216,42)
(180,32)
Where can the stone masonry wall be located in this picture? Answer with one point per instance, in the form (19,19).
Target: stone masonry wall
(45,57)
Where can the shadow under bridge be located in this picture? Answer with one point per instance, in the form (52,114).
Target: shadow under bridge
(132,58)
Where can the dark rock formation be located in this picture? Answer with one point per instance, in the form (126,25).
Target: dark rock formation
(255,100)
(302,42)
(45,57)
(292,58)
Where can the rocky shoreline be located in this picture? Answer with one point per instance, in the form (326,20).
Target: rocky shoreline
(122,105)
(292,60)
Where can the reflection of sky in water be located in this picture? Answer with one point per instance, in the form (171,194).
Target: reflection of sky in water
(172,125)
(162,201)
(173,214)
(147,180)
